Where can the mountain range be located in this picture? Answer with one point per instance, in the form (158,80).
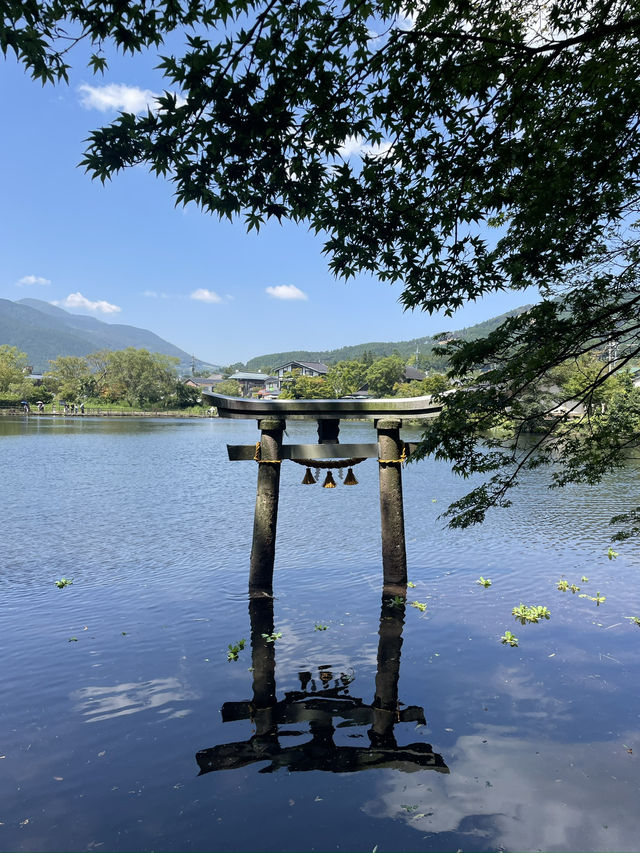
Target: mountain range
(44,332)
(405,349)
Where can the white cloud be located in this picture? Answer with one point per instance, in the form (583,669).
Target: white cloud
(204,295)
(154,294)
(286,291)
(116,96)
(521,809)
(77,300)
(33,279)
(356,145)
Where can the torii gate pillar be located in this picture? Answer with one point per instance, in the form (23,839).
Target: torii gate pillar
(394,552)
(263,549)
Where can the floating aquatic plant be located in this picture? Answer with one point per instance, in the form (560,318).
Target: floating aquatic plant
(419,605)
(271,638)
(484,581)
(234,650)
(564,586)
(530,614)
(64,582)
(597,598)
(508,639)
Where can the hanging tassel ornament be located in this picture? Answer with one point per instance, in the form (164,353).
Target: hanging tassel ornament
(350,479)
(329,482)
(308,478)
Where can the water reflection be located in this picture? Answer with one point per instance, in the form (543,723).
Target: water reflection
(322,699)
(98,703)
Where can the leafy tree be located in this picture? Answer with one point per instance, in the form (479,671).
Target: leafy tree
(437,383)
(497,149)
(140,376)
(346,377)
(72,377)
(186,395)
(98,363)
(383,375)
(229,387)
(13,364)
(295,386)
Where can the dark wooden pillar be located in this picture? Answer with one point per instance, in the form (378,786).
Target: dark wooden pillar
(263,548)
(385,705)
(394,554)
(263,665)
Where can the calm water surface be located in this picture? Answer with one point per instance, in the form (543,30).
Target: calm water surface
(125,728)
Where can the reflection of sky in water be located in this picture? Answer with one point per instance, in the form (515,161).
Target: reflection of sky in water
(105,703)
(155,528)
(512,788)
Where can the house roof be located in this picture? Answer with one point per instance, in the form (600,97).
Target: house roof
(318,366)
(209,380)
(413,373)
(256,377)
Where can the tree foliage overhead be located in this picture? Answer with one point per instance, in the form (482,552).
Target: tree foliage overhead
(455,147)
(521,115)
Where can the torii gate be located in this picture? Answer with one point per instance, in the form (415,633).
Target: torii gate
(390,451)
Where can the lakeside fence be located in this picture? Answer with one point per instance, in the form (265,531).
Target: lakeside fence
(100,412)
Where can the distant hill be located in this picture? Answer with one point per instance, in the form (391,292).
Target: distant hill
(44,332)
(382,348)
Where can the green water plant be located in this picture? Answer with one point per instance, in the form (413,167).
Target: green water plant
(611,554)
(597,598)
(64,582)
(271,638)
(319,627)
(564,586)
(234,650)
(484,581)
(396,601)
(530,614)
(508,639)
(410,584)
(635,619)
(419,605)
(584,579)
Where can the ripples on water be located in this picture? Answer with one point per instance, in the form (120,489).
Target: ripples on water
(114,684)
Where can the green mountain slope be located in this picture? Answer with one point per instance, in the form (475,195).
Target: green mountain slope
(382,348)
(45,332)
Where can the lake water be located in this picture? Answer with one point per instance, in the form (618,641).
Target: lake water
(125,728)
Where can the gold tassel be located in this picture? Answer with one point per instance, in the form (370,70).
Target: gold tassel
(350,479)
(329,482)
(308,478)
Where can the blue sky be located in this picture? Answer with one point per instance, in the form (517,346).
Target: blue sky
(124,253)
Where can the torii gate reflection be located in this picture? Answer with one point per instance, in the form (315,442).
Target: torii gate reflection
(318,707)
